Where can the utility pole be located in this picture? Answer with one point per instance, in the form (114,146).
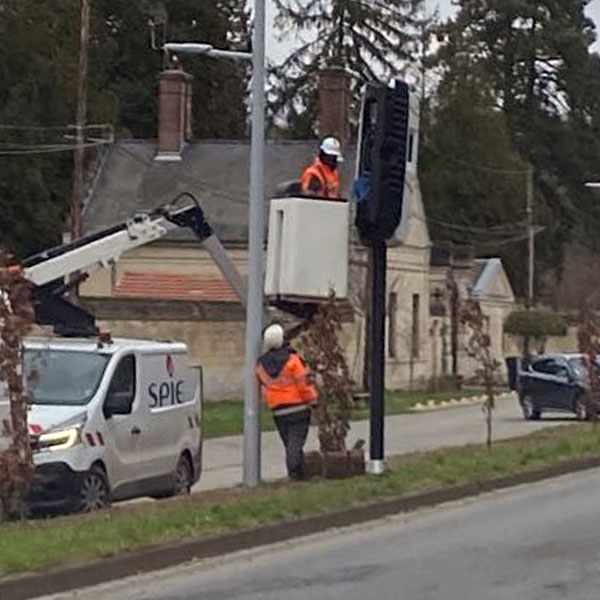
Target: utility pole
(80,119)
(254,305)
(530,237)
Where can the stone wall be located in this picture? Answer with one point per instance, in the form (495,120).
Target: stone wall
(407,276)
(213,332)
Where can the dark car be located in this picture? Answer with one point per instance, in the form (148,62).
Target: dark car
(556,383)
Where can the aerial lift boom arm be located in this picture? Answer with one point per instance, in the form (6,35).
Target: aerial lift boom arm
(103,248)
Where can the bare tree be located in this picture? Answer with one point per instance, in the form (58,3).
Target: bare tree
(478,347)
(588,338)
(16,317)
(329,372)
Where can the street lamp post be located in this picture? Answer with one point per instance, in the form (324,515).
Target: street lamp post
(254,304)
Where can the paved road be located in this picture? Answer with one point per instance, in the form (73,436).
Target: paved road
(537,542)
(404,433)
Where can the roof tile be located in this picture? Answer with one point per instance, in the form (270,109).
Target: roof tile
(173,286)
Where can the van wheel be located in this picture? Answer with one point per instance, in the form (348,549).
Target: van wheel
(94,492)
(183,477)
(182,480)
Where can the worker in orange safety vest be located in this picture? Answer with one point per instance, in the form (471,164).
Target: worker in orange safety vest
(288,393)
(322,178)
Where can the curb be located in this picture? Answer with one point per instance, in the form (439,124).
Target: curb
(33,585)
(431,405)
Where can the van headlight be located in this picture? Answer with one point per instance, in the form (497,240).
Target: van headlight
(59,440)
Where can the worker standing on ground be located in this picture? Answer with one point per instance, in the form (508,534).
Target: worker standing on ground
(322,177)
(288,393)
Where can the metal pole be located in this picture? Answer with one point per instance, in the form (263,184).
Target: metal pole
(220,257)
(377,404)
(78,182)
(254,305)
(531,241)
(454,323)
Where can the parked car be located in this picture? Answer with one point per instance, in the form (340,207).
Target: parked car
(555,383)
(111,421)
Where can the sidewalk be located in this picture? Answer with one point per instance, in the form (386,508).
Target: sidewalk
(222,457)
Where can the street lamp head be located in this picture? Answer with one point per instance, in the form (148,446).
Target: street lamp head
(205,49)
(189,47)
(592,184)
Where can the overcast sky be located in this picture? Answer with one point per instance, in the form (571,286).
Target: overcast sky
(277,51)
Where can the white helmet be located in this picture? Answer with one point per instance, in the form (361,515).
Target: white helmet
(332,146)
(273,337)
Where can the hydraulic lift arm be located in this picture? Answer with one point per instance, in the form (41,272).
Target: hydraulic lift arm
(103,248)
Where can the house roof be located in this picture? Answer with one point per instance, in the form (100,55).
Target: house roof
(490,281)
(170,286)
(216,172)
(480,266)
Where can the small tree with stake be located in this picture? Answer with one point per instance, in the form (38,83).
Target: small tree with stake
(479,348)
(16,317)
(330,374)
(588,337)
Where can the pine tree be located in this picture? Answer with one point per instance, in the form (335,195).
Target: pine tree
(372,39)
(472,177)
(541,88)
(38,82)
(126,68)
(37,89)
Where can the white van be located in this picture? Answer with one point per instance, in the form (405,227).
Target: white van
(111,421)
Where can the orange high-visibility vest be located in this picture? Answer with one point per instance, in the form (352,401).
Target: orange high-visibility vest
(329,180)
(290,387)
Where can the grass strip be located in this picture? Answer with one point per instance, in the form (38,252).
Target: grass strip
(36,545)
(226,417)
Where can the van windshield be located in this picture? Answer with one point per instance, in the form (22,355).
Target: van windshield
(63,378)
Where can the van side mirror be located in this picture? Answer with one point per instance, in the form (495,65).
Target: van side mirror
(117,403)
(108,408)
(107,413)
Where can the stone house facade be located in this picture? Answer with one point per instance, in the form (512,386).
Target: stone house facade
(171,289)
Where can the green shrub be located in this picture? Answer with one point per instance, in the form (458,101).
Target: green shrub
(535,323)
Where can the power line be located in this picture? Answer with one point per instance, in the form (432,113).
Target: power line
(513,240)
(478,167)
(51,149)
(52,127)
(502,228)
(486,169)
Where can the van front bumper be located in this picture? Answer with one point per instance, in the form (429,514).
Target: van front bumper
(55,486)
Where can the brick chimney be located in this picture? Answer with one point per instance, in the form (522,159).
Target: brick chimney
(334,104)
(174,112)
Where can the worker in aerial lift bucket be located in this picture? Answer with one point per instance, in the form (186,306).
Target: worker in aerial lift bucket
(289,394)
(322,178)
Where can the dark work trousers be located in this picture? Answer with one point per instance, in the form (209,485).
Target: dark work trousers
(293,430)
